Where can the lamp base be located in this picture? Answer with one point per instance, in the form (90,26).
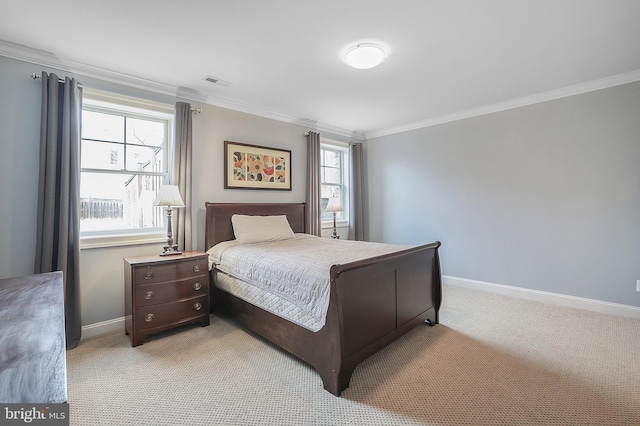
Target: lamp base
(170,250)
(335,231)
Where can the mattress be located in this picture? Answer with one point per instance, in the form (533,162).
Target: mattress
(289,278)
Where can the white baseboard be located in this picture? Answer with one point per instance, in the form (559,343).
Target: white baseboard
(103,327)
(519,292)
(547,297)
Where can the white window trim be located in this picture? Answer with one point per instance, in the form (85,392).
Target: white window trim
(344,146)
(134,106)
(114,239)
(126,103)
(340,223)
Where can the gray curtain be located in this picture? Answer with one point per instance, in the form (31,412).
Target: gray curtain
(356,193)
(313,218)
(182,175)
(58,216)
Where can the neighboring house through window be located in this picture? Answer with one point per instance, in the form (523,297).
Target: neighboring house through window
(125,155)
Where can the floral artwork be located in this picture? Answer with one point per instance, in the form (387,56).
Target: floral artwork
(255,167)
(239,169)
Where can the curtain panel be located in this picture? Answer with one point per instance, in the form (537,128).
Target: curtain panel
(58,215)
(182,174)
(313,196)
(356,193)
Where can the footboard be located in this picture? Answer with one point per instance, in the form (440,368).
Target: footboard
(378,300)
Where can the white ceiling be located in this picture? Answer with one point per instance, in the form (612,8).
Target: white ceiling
(446,59)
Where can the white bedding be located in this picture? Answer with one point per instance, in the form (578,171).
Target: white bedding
(289,278)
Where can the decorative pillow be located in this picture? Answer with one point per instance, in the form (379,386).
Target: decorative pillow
(259,229)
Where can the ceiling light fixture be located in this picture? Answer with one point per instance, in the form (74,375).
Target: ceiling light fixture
(365,56)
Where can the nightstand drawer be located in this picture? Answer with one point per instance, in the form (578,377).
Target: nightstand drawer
(164,292)
(169,313)
(170,271)
(154,294)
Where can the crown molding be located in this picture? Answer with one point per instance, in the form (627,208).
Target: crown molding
(564,92)
(47,59)
(29,54)
(278,116)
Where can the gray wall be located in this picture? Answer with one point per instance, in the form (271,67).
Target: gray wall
(101,269)
(543,197)
(19,144)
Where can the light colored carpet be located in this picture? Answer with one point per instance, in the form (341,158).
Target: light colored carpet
(493,360)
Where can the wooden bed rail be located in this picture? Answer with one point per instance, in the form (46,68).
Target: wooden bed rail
(338,269)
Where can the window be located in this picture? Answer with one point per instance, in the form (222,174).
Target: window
(333,175)
(125,153)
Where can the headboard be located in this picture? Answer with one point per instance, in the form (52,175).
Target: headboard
(218,226)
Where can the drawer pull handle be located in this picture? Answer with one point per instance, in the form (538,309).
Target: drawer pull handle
(149,295)
(197,306)
(149,317)
(196,268)
(148,275)
(197,286)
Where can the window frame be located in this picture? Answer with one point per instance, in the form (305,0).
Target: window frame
(105,102)
(343,149)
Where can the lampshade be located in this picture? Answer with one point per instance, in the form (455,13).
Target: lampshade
(168,195)
(334,205)
(365,56)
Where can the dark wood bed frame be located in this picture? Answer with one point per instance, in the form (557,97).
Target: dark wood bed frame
(372,302)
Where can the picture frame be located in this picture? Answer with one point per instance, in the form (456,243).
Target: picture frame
(249,166)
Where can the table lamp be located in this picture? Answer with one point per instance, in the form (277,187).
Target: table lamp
(169,196)
(334,207)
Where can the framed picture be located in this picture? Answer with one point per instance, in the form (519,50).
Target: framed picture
(256,167)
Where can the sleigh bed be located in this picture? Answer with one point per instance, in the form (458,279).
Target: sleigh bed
(371,302)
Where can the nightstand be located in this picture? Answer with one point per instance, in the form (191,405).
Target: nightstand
(164,292)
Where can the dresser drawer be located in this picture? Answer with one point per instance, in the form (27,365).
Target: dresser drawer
(169,313)
(154,294)
(149,274)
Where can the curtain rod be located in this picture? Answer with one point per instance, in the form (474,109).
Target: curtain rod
(36,76)
(338,142)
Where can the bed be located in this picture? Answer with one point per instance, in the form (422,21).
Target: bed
(371,302)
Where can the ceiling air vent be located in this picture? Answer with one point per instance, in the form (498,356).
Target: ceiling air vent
(218,81)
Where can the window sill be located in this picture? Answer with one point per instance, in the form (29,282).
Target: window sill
(114,240)
(339,224)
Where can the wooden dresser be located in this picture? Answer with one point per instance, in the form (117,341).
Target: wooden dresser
(33,363)
(164,292)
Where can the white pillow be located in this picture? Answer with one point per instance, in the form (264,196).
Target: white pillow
(259,229)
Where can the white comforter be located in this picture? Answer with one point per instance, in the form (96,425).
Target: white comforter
(294,272)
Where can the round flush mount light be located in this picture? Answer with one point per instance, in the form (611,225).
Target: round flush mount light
(364,56)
